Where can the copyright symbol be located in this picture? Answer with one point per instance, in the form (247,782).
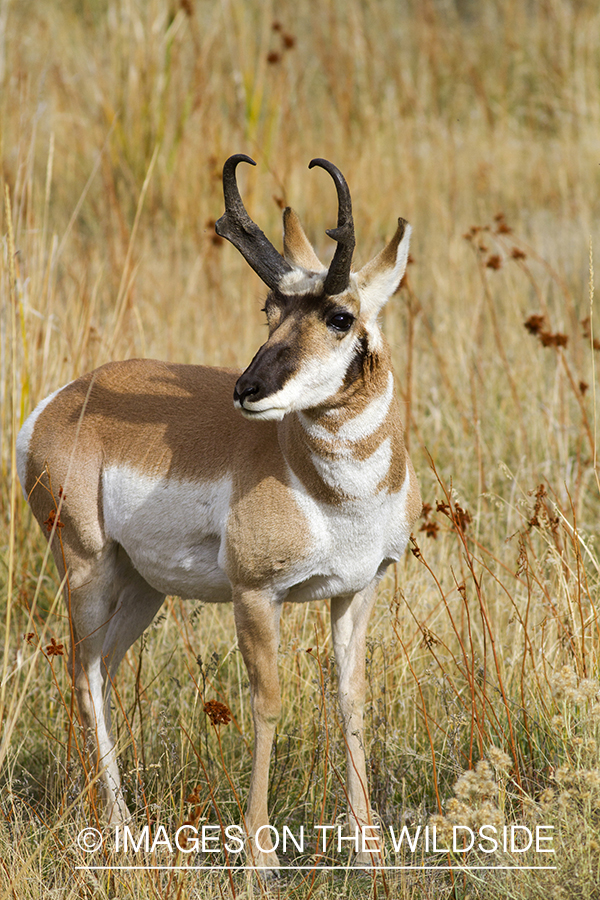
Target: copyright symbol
(89,839)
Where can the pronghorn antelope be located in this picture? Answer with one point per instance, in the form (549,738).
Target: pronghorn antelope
(301,489)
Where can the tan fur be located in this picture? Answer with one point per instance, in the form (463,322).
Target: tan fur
(266,532)
(153,416)
(288,488)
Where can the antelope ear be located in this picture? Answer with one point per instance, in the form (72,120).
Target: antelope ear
(297,249)
(378,279)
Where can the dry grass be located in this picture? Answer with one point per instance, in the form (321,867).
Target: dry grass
(477,123)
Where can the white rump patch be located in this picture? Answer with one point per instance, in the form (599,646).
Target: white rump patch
(24,437)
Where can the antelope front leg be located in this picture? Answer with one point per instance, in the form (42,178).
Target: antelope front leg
(349,621)
(257,625)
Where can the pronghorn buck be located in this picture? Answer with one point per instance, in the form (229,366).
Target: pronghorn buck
(289,482)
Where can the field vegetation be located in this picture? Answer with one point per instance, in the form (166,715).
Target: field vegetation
(480,124)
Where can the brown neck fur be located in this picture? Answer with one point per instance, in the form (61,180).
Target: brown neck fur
(299,446)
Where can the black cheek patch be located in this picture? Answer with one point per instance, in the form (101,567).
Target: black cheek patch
(357,363)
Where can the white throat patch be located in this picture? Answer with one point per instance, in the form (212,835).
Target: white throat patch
(361,426)
(355,478)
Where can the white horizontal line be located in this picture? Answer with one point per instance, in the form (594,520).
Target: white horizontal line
(366,869)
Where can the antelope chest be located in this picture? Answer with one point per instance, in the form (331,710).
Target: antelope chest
(195,541)
(351,544)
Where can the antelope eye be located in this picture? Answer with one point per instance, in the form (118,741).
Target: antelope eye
(341,321)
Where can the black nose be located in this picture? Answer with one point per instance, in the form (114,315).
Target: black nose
(244,388)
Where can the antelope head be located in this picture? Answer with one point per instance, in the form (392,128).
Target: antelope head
(322,321)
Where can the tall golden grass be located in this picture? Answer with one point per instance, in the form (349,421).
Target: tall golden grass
(478,123)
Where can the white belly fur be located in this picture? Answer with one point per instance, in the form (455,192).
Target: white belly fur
(171,530)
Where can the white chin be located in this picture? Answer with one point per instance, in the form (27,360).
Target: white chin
(275,414)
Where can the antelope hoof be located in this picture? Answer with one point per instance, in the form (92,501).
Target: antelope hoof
(267,864)
(269,876)
(368,859)
(118,813)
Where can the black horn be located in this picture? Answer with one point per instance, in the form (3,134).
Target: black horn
(236,226)
(338,276)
